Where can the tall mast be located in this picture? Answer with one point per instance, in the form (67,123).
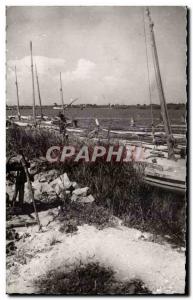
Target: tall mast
(61,92)
(164,110)
(41,113)
(16,84)
(33,88)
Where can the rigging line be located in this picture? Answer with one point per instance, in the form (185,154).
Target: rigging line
(148,72)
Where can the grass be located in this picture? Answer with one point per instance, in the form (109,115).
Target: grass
(118,189)
(33,142)
(88,279)
(76,214)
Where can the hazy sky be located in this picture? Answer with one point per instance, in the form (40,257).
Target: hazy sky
(99,50)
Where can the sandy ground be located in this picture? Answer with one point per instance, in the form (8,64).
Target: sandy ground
(131,254)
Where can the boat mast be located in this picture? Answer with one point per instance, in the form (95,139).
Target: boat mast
(33,88)
(170,139)
(41,113)
(61,93)
(16,84)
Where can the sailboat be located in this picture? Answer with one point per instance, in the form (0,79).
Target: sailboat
(58,107)
(167,171)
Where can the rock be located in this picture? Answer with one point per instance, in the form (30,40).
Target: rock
(82,199)
(74,198)
(43,179)
(75,185)
(167,236)
(47,176)
(58,188)
(144,236)
(40,188)
(116,221)
(61,183)
(51,175)
(81,192)
(46,188)
(36,177)
(66,181)
(87,199)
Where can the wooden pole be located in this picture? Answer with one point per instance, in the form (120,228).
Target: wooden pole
(17,91)
(61,93)
(164,110)
(31,190)
(33,88)
(39,95)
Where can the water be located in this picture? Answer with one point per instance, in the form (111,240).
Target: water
(108,117)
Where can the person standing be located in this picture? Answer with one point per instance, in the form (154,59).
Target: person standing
(20,178)
(62,126)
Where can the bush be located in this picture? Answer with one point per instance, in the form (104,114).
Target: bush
(88,279)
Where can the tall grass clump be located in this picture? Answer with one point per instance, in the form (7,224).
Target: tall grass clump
(120,188)
(34,142)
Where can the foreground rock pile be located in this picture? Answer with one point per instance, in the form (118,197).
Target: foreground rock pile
(50,185)
(61,187)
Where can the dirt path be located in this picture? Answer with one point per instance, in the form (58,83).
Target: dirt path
(130,253)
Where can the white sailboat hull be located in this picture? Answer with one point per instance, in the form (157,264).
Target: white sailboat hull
(167,174)
(166,184)
(57,107)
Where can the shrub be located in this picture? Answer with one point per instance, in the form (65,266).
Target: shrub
(88,279)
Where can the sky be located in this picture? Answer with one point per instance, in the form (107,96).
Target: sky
(100,51)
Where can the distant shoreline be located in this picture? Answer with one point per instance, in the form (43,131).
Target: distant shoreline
(115,106)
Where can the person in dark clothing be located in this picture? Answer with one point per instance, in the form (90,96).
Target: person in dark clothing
(20,179)
(62,117)
(75,123)
(19,187)
(63,125)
